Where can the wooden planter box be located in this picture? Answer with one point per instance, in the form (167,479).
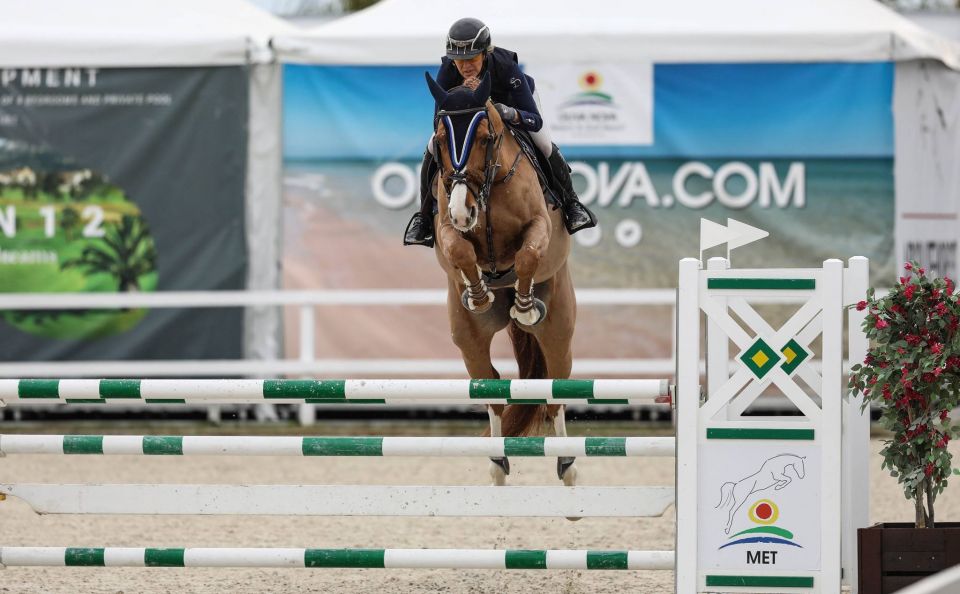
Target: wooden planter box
(894,555)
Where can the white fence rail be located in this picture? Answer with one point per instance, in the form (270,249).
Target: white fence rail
(307,363)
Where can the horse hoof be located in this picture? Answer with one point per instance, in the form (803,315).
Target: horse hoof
(470,306)
(533,316)
(565,470)
(499,469)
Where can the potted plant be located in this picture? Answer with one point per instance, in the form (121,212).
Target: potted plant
(911,375)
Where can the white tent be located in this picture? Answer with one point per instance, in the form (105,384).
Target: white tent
(113,33)
(177,33)
(926,93)
(679,31)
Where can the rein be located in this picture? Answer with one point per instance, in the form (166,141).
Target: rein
(490,168)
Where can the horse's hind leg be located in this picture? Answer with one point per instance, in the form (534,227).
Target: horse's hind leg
(473,336)
(555,336)
(566,471)
(499,467)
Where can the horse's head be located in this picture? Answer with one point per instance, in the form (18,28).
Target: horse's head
(465,131)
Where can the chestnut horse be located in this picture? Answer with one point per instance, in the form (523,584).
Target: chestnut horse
(493,222)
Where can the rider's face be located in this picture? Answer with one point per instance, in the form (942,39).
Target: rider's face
(469,68)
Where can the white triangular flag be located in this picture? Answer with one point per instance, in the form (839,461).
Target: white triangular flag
(712,234)
(740,234)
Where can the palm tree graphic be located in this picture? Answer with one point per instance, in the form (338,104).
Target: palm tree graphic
(125,252)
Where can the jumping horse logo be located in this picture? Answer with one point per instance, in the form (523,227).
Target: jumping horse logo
(774,472)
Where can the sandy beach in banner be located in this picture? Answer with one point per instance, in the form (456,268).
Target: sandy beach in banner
(20,527)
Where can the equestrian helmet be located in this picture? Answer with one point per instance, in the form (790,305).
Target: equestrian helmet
(467,38)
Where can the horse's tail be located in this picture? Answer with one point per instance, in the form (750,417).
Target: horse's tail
(726,492)
(525,419)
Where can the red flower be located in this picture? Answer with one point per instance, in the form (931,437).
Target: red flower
(936,348)
(868,360)
(901,350)
(912,339)
(928,469)
(941,309)
(944,414)
(922,271)
(861,305)
(881,324)
(904,280)
(937,371)
(928,377)
(949,285)
(908,266)
(908,292)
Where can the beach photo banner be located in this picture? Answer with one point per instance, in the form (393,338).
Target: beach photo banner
(804,151)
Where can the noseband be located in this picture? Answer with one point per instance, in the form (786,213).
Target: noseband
(490,166)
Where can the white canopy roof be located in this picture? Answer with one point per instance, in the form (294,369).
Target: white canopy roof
(124,33)
(413,32)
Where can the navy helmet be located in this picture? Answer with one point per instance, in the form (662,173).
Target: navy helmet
(467,38)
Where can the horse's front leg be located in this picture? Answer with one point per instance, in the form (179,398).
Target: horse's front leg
(527,309)
(476,296)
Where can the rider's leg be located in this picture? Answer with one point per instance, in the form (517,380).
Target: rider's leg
(576,216)
(420,228)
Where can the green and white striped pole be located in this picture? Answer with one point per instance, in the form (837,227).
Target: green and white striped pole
(329,558)
(204,445)
(208,391)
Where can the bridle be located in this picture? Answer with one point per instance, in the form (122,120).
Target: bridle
(491,165)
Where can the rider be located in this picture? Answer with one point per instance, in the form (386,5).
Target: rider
(470,56)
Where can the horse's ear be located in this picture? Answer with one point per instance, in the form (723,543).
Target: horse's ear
(439,95)
(482,93)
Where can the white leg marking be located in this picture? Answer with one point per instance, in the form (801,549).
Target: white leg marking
(496,473)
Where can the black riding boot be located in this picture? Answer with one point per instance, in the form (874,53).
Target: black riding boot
(576,216)
(420,228)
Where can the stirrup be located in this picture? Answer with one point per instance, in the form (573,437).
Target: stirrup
(584,219)
(412,234)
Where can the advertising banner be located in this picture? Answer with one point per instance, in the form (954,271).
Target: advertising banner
(804,151)
(122,180)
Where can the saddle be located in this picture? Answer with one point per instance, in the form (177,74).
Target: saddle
(540,163)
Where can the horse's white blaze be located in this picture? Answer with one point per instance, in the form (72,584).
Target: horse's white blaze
(459,212)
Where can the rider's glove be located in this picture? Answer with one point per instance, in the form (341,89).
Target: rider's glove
(507,113)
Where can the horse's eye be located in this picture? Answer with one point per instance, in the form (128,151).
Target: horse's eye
(484,140)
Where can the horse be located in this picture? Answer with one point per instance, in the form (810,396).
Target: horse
(499,242)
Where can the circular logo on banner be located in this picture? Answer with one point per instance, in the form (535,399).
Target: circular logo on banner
(65,227)
(764,512)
